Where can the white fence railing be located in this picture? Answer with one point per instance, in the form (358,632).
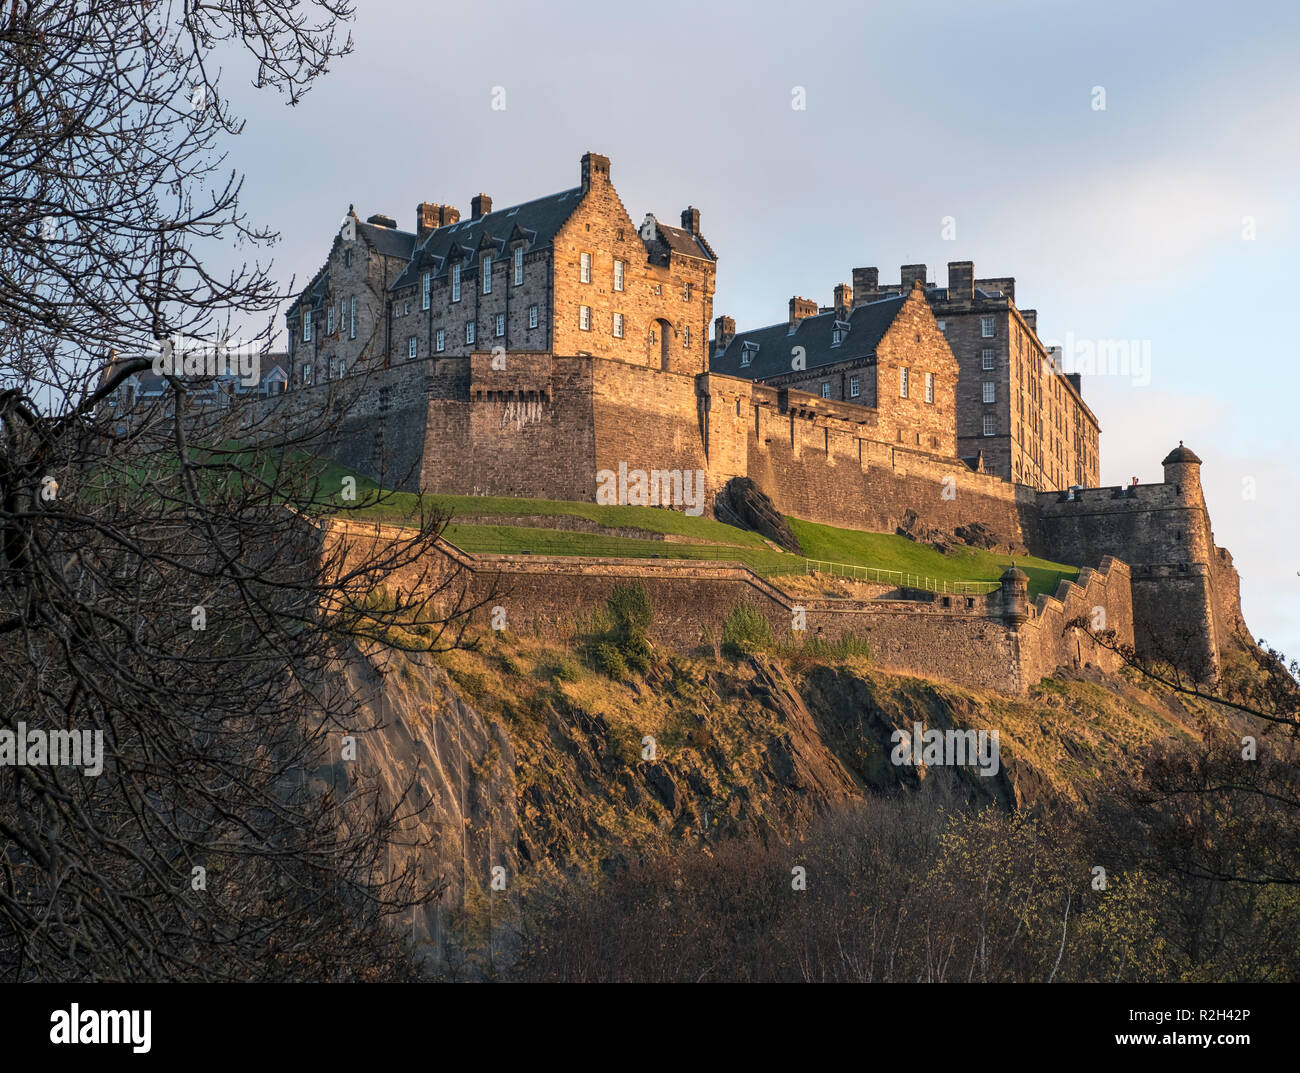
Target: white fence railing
(901,578)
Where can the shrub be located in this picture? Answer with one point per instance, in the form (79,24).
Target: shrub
(609,659)
(636,651)
(629,606)
(746,631)
(564,670)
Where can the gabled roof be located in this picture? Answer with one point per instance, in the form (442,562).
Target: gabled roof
(387,240)
(537,221)
(682,242)
(868,324)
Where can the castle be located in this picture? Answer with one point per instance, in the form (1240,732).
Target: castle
(525,351)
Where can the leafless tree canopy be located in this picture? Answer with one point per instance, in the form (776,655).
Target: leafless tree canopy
(163,583)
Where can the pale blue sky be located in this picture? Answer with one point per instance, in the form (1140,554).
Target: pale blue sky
(1118,224)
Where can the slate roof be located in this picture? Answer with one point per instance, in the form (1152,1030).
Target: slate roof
(537,221)
(683,242)
(868,324)
(387,240)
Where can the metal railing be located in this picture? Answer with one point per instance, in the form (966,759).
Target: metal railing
(901,578)
(761,561)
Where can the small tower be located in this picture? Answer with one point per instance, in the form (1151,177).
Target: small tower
(1183,470)
(1015,596)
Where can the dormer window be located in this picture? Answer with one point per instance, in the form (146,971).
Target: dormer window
(748,351)
(519,265)
(839,333)
(486,264)
(424,294)
(306,327)
(455,283)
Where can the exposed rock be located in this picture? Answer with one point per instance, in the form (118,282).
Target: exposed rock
(744,504)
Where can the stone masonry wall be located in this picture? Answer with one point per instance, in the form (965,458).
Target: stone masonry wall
(964,641)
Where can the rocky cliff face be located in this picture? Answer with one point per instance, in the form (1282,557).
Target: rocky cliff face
(517,763)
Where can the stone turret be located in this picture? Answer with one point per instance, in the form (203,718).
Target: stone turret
(1183,470)
(1015,596)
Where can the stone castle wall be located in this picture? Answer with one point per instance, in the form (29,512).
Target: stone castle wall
(965,640)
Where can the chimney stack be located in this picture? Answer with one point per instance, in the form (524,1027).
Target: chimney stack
(800,308)
(691,220)
(866,285)
(380,220)
(724,331)
(595,169)
(961,281)
(429,216)
(843,301)
(479,206)
(1031,318)
(909,274)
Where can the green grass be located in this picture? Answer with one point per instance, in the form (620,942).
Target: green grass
(884,551)
(519,539)
(890,552)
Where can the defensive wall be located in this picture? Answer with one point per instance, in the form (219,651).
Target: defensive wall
(997,641)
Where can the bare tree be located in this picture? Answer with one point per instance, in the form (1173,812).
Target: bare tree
(166,583)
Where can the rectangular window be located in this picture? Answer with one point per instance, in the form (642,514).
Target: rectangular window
(424,296)
(347,258)
(929,387)
(501,325)
(455,283)
(943,326)
(686,337)
(411,347)
(485,270)
(618,325)
(986,327)
(826,391)
(990,391)
(986,359)
(329,320)
(440,339)
(990,424)
(532,316)
(306,374)
(903,376)
(618,275)
(584,270)
(853,387)
(584,318)
(686,294)
(306,327)
(519,265)
(406,308)
(352,319)
(470,331)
